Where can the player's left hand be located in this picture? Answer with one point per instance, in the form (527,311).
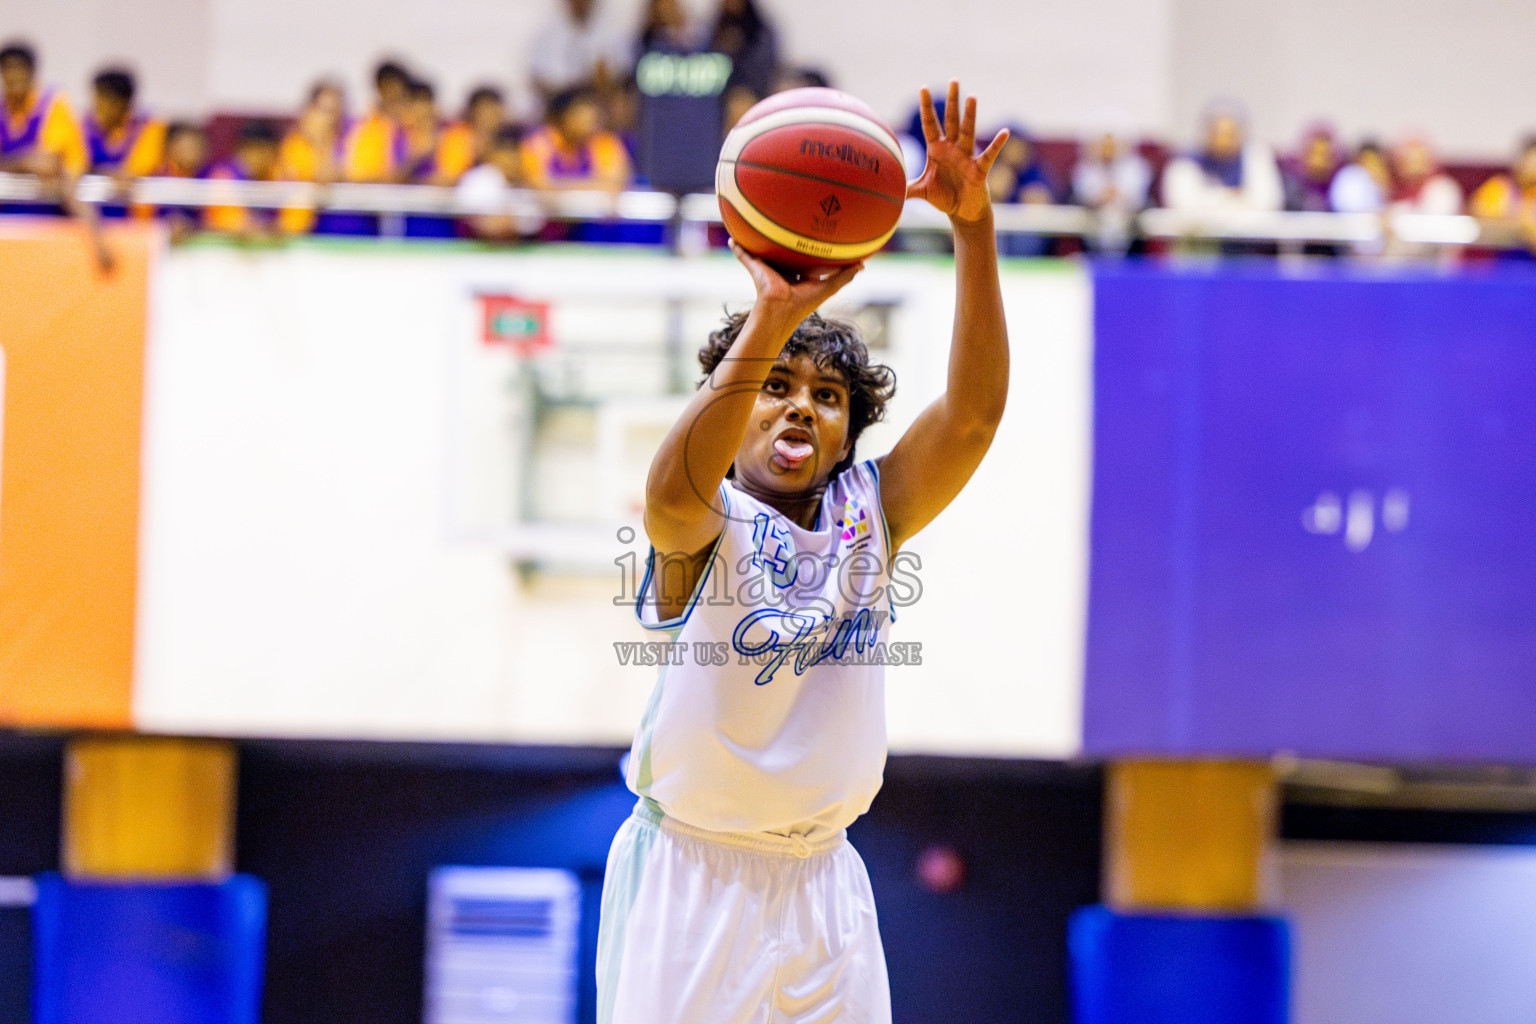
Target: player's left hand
(954,180)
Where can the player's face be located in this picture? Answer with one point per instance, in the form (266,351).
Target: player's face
(798,432)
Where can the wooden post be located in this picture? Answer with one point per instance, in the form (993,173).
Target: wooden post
(142,807)
(1188,835)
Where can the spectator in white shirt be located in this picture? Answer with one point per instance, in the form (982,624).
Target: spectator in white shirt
(488,188)
(1364,185)
(1112,180)
(581,47)
(1421,186)
(1228,172)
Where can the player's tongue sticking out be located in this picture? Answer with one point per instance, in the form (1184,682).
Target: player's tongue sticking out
(791,451)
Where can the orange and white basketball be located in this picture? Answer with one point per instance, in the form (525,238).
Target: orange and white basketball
(810,178)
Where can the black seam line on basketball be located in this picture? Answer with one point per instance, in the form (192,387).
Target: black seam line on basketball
(824,181)
(786,227)
(792,231)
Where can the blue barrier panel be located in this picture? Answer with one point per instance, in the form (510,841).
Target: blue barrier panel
(1156,969)
(148,954)
(1314,514)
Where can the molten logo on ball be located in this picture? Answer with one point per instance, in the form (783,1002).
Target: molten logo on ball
(841,151)
(810,178)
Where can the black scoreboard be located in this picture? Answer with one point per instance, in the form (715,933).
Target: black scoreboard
(681,110)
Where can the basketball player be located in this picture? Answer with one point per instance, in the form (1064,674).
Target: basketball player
(732,895)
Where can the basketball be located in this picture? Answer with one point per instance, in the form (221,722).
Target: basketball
(810,178)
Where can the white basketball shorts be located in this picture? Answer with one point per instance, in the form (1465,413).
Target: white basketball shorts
(736,928)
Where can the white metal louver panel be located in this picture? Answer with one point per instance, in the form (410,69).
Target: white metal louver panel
(502,946)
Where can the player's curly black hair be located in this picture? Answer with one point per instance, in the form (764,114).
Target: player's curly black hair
(832,344)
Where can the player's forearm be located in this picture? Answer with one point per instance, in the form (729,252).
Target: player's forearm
(700,447)
(977,389)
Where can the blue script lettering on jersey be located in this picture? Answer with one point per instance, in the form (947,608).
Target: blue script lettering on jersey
(810,643)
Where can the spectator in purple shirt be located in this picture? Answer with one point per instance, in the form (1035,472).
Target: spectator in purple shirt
(1317,161)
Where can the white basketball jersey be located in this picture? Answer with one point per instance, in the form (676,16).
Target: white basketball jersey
(770,715)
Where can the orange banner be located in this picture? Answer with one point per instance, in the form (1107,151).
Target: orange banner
(72,345)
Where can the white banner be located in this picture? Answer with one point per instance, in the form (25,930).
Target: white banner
(364,519)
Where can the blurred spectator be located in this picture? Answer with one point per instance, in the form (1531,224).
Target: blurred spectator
(579,48)
(1508,195)
(186,152)
(392,87)
(801,78)
(255,159)
(1307,184)
(314,150)
(1019,177)
(1308,180)
(1420,186)
(1365,184)
(572,150)
(1228,172)
(370,145)
(420,159)
(120,140)
(186,156)
(402,149)
(739,99)
(1511,197)
(38,134)
(622,116)
(491,185)
(467,142)
(742,33)
(1111,179)
(665,26)
(416,144)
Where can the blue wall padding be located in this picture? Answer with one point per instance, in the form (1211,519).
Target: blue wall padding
(1311,526)
(1165,969)
(148,954)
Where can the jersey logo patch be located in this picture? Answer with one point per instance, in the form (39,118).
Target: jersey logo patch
(855,521)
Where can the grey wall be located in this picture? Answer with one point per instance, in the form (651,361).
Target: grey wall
(1456,70)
